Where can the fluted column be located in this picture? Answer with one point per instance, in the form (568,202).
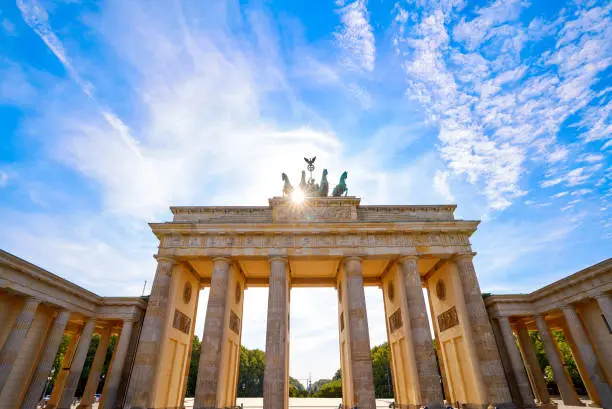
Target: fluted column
(212,341)
(13,343)
(276,372)
(357,323)
(146,363)
(76,367)
(532,365)
(491,368)
(45,363)
(588,356)
(96,370)
(564,383)
(517,363)
(427,371)
(605,304)
(109,395)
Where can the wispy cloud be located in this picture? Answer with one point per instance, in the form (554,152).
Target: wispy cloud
(37,18)
(355,36)
(499,112)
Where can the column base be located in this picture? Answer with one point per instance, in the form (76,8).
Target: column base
(503,405)
(549,405)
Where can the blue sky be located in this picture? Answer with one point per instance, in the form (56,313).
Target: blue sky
(112,111)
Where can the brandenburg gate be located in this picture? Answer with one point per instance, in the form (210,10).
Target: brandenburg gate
(309,239)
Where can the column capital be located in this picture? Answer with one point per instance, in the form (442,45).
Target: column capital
(166,259)
(407,257)
(464,256)
(278,258)
(132,319)
(602,296)
(221,259)
(503,318)
(567,307)
(352,258)
(31,299)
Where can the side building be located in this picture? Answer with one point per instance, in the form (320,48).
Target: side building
(37,309)
(581,307)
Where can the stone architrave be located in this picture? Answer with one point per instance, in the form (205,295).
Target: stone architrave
(491,367)
(532,366)
(588,356)
(214,326)
(276,374)
(564,383)
(116,368)
(517,363)
(146,364)
(13,344)
(45,362)
(605,304)
(357,323)
(429,387)
(96,370)
(76,367)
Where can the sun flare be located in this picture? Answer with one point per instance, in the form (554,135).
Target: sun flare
(297,196)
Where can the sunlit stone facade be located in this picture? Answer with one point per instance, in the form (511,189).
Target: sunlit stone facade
(326,241)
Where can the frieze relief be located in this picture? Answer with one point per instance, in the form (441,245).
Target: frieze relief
(316,240)
(315,214)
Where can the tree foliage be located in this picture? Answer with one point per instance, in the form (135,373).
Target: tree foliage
(251,372)
(196,348)
(568,360)
(296,389)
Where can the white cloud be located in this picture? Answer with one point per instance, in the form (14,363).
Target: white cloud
(440,183)
(4,177)
(551,182)
(356,37)
(498,111)
(475,31)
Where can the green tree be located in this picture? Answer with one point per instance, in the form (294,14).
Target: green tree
(251,372)
(57,363)
(196,348)
(381,370)
(568,359)
(331,389)
(91,353)
(296,389)
(317,385)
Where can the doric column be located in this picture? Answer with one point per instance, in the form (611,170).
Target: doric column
(146,364)
(76,367)
(424,353)
(516,362)
(564,383)
(212,341)
(357,323)
(109,395)
(582,371)
(13,344)
(605,304)
(276,372)
(96,370)
(486,349)
(536,376)
(588,356)
(45,363)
